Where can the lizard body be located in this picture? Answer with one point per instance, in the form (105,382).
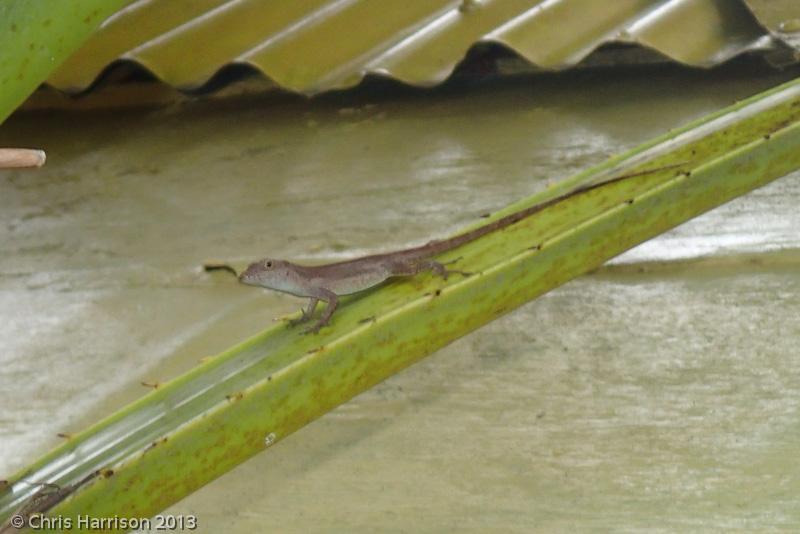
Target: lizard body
(326,282)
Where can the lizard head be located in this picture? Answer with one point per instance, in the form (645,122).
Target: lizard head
(259,273)
(273,274)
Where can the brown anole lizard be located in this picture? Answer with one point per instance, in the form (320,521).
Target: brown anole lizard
(327,282)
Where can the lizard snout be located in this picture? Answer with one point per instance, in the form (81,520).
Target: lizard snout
(248,275)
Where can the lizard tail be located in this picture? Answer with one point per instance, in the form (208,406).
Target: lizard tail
(436,247)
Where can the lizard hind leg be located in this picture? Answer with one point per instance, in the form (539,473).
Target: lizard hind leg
(407,267)
(439,268)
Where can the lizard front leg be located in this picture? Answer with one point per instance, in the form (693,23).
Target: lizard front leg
(332,300)
(307,312)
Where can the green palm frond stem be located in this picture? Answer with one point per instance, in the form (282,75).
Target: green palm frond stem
(190,431)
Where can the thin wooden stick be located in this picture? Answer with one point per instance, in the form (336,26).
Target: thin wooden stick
(14,158)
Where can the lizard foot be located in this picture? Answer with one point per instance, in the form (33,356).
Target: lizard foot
(288,319)
(298,320)
(315,329)
(440,270)
(451,262)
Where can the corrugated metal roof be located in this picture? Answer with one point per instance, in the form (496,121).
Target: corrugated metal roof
(776,14)
(311,46)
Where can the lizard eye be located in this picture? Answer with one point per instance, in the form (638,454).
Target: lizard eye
(269,264)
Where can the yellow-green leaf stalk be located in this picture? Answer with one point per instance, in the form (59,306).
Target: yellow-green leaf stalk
(194,429)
